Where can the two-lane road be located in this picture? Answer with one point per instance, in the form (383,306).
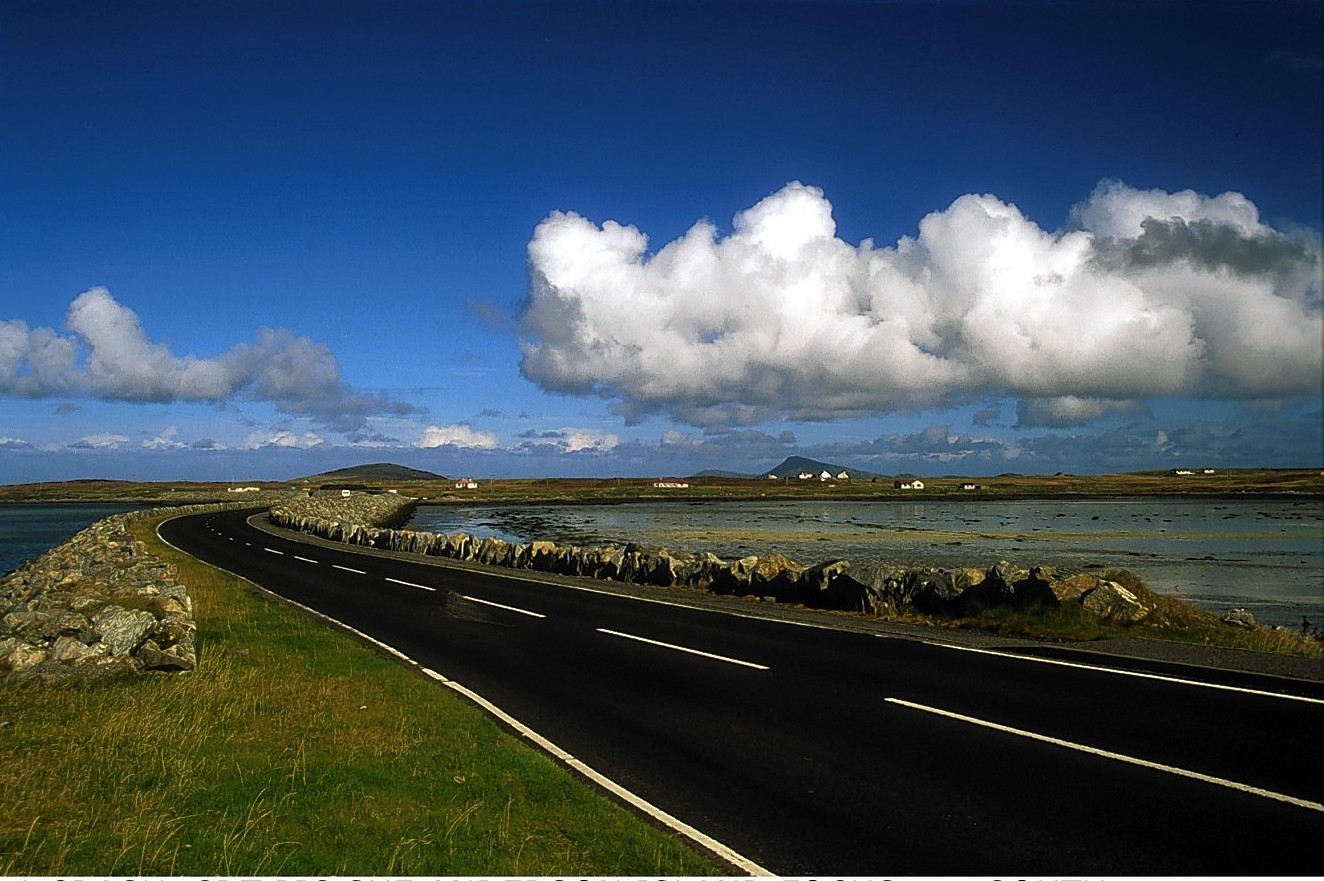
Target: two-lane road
(811,750)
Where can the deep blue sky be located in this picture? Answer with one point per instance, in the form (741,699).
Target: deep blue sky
(366,179)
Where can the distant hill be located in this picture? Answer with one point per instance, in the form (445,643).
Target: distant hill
(375,471)
(793,467)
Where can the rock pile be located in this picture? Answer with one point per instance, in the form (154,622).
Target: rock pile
(346,514)
(838,585)
(98,604)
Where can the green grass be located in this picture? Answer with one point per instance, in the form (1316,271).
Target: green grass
(293,750)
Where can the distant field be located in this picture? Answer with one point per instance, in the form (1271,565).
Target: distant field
(1298,482)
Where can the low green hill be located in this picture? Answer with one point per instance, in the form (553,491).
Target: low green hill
(375,471)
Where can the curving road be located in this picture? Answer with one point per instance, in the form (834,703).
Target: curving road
(812,751)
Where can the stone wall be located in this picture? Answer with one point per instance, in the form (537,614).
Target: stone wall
(839,585)
(98,604)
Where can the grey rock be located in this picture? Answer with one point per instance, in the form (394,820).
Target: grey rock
(1243,618)
(121,630)
(1112,602)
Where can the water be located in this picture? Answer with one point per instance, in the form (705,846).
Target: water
(28,531)
(1267,556)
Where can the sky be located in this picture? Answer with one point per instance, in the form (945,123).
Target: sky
(260,240)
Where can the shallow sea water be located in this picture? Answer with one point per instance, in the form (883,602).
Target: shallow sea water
(28,531)
(1267,556)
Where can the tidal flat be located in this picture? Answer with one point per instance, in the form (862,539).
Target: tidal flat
(1263,555)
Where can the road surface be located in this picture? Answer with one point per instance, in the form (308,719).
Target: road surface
(818,751)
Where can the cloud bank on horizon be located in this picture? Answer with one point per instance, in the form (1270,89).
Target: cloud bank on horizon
(1143,294)
(107,356)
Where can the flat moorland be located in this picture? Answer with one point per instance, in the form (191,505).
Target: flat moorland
(1234,483)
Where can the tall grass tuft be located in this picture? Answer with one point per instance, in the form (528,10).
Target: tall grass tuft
(292,750)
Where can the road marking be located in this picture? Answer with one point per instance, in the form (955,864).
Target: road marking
(681,648)
(304,559)
(503,606)
(271,550)
(410,584)
(1136,673)
(711,844)
(347,569)
(1131,760)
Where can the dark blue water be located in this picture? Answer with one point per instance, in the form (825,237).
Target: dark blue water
(28,531)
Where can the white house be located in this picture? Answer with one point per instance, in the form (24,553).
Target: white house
(843,476)
(909,483)
(825,475)
(805,475)
(466,483)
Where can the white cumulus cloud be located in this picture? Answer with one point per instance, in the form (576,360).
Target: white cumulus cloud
(283,439)
(569,440)
(101,441)
(166,440)
(461,436)
(1146,294)
(108,356)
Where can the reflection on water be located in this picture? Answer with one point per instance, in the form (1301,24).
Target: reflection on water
(1265,555)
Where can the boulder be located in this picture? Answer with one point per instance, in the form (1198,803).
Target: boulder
(1073,587)
(1242,618)
(121,630)
(779,577)
(17,655)
(1112,602)
(830,585)
(734,578)
(1035,589)
(941,591)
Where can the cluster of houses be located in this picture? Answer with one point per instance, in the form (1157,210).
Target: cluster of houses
(911,483)
(1184,472)
(809,475)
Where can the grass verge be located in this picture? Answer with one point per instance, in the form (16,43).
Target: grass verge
(293,750)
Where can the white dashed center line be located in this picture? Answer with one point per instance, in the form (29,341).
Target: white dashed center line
(304,559)
(502,606)
(681,648)
(347,569)
(410,584)
(1130,760)
(274,551)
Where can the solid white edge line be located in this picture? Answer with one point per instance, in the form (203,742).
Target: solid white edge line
(681,648)
(1139,674)
(347,569)
(707,842)
(1131,760)
(410,584)
(503,606)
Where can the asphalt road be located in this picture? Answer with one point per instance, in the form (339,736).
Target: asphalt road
(816,751)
